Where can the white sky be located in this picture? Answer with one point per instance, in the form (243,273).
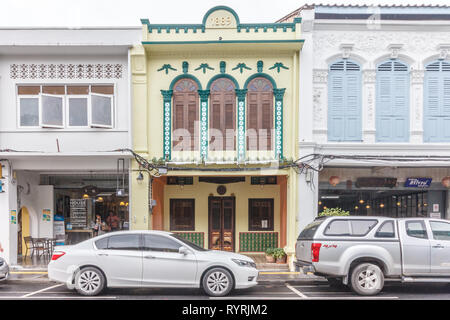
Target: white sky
(75,13)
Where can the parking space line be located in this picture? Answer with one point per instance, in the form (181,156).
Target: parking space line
(42,290)
(253,298)
(296,291)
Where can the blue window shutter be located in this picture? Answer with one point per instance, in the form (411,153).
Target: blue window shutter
(344,102)
(437,102)
(392,113)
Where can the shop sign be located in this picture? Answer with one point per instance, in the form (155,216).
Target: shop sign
(46,215)
(78,213)
(418,182)
(435,215)
(376,182)
(13,217)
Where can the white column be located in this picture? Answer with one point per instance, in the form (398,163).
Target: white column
(8,216)
(416,106)
(368,106)
(320,105)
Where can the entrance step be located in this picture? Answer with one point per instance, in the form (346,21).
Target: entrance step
(275,267)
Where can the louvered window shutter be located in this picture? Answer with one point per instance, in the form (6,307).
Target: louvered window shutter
(392,102)
(186,114)
(344,102)
(437,102)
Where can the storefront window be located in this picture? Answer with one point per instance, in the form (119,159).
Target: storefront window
(182,214)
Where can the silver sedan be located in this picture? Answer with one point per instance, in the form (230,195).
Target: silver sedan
(4,270)
(130,259)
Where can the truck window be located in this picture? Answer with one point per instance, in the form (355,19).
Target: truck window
(441,230)
(362,227)
(310,230)
(338,228)
(416,229)
(350,227)
(386,230)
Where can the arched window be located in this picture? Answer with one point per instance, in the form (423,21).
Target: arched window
(185,115)
(392,102)
(344,101)
(222,120)
(437,102)
(260,114)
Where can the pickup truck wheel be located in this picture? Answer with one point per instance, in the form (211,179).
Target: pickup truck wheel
(367,279)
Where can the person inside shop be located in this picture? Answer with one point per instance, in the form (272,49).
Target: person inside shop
(99,226)
(113,221)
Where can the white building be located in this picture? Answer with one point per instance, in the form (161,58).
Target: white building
(64,110)
(375,88)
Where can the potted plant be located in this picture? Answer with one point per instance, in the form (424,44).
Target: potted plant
(269,255)
(333,212)
(280,255)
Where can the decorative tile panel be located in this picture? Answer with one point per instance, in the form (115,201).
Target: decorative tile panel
(66,71)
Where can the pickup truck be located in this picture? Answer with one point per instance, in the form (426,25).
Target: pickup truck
(363,252)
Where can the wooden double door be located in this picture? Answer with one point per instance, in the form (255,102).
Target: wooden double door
(221,221)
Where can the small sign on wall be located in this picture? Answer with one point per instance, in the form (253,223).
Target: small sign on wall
(436,207)
(435,215)
(46,215)
(13,217)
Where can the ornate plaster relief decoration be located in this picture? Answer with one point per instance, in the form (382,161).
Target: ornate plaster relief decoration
(241,67)
(443,51)
(395,49)
(318,107)
(320,76)
(166,68)
(369,76)
(346,49)
(203,67)
(278,66)
(66,71)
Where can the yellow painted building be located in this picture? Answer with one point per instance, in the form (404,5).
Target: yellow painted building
(216,104)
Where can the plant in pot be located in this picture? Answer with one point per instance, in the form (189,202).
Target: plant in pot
(269,255)
(333,212)
(280,255)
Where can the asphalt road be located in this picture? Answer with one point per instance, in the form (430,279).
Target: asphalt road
(39,287)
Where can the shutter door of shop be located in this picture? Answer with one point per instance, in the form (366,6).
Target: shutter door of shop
(336,107)
(353,107)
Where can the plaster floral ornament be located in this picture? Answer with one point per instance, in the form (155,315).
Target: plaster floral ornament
(241,67)
(166,68)
(278,66)
(203,67)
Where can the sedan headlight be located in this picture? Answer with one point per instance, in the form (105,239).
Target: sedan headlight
(244,263)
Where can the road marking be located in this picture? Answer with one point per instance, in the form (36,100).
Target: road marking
(296,291)
(42,290)
(61,297)
(253,298)
(352,298)
(276,272)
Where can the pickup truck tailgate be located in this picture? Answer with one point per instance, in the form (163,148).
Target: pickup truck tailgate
(304,241)
(303,250)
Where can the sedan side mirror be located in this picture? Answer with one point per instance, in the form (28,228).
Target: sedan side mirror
(183,250)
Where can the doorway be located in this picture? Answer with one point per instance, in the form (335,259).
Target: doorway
(221,223)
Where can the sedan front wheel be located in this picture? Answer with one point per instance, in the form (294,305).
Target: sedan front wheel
(217,282)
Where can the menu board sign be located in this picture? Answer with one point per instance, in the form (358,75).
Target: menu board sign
(78,213)
(376,182)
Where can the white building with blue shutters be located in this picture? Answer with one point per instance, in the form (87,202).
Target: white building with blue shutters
(376,128)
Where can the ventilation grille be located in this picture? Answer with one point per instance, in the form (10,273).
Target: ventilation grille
(344,66)
(392,66)
(438,66)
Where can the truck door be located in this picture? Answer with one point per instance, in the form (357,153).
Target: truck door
(415,247)
(440,247)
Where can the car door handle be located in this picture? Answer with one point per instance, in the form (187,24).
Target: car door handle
(149,257)
(438,246)
(103,254)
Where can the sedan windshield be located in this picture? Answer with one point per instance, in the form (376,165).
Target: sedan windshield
(188,243)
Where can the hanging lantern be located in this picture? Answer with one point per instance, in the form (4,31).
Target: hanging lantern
(446,182)
(334,180)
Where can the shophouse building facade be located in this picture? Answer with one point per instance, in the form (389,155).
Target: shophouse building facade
(64,117)
(216,105)
(376,128)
